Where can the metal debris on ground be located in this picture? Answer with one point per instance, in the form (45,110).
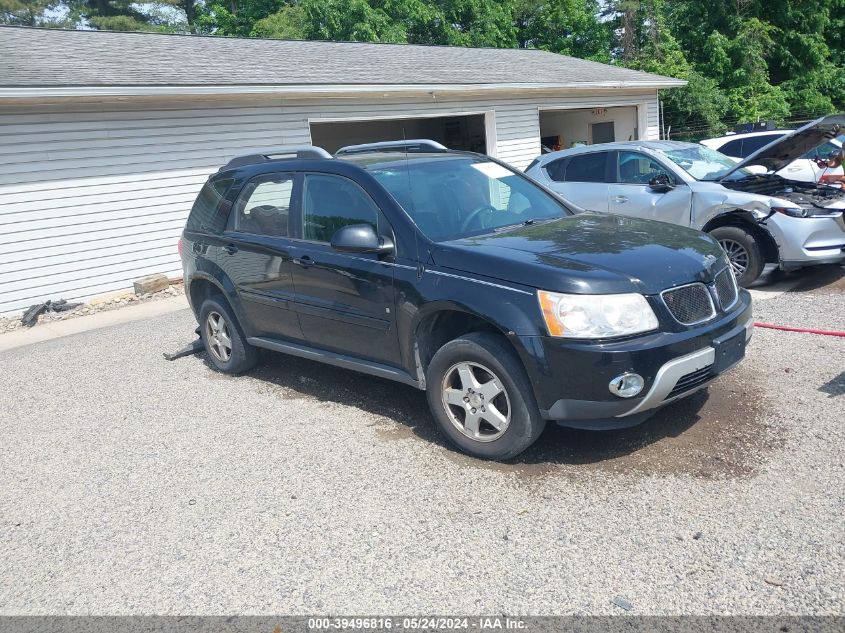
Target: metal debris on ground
(30,317)
(191,348)
(622,603)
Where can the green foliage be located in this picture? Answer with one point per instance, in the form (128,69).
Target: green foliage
(28,12)
(569,27)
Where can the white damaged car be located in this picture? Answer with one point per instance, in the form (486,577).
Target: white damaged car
(756,215)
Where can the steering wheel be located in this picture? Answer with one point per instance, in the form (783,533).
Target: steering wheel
(475,214)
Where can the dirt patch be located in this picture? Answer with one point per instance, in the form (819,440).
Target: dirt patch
(714,434)
(718,433)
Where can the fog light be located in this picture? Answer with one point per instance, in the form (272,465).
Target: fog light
(627,385)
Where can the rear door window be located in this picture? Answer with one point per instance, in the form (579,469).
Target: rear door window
(753,143)
(264,206)
(557,169)
(587,168)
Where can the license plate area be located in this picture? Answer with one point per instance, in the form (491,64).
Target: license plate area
(729,351)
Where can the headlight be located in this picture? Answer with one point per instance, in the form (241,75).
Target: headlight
(795,212)
(595,316)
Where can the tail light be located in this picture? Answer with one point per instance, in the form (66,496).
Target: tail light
(179,246)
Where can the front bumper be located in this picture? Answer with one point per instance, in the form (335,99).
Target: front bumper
(673,364)
(806,241)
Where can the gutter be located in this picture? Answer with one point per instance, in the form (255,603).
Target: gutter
(26,92)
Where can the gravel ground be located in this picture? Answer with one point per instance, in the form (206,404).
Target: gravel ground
(135,485)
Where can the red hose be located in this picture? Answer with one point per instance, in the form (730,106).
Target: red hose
(799,329)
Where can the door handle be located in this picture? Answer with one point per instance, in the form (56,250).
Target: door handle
(620,198)
(305,261)
(231,249)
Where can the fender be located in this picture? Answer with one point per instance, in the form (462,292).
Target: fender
(207,271)
(514,315)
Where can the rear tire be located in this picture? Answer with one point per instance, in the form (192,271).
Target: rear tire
(743,251)
(223,338)
(481,398)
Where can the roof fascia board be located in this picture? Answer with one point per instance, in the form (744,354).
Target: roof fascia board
(350,90)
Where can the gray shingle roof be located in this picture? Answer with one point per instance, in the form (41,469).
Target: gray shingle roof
(55,58)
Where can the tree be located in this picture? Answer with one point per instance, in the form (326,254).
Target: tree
(29,12)
(569,27)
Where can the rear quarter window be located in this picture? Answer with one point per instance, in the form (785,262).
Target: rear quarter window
(206,215)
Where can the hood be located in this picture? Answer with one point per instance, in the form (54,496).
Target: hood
(778,154)
(589,253)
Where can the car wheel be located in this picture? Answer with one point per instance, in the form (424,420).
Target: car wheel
(223,338)
(743,252)
(481,398)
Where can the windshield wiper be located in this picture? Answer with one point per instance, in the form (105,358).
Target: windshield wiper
(528,222)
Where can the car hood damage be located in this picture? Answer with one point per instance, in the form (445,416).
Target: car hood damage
(599,252)
(777,155)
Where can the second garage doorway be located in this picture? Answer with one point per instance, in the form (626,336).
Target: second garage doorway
(562,129)
(462,132)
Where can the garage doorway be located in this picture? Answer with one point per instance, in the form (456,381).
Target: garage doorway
(463,132)
(560,129)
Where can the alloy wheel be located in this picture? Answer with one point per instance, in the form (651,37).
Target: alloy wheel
(737,256)
(218,337)
(476,401)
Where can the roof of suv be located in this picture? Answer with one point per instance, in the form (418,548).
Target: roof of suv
(732,137)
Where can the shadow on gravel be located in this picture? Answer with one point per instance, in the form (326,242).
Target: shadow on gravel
(835,386)
(825,278)
(711,434)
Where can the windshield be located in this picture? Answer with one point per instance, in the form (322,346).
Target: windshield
(826,150)
(702,163)
(455,196)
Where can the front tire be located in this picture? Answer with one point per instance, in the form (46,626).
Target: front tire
(223,338)
(481,398)
(743,251)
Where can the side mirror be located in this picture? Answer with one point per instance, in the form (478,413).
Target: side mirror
(661,183)
(361,238)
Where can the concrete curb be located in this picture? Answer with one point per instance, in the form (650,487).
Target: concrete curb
(57,329)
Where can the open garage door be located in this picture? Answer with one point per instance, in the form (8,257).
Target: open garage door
(464,132)
(560,129)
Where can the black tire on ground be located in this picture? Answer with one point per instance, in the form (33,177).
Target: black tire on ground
(242,356)
(744,244)
(491,352)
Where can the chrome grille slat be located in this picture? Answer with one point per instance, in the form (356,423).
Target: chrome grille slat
(689,304)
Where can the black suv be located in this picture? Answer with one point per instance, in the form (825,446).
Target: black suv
(452,272)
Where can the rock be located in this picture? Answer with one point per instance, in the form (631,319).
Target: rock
(152,283)
(774,581)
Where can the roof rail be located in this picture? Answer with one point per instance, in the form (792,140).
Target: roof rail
(416,145)
(264,155)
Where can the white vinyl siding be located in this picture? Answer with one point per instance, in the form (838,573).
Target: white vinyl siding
(94,194)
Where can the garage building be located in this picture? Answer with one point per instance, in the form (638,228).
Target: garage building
(107,137)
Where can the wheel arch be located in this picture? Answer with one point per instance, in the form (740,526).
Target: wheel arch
(745,220)
(444,322)
(202,286)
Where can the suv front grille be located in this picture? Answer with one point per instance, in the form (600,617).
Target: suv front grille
(689,304)
(726,288)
